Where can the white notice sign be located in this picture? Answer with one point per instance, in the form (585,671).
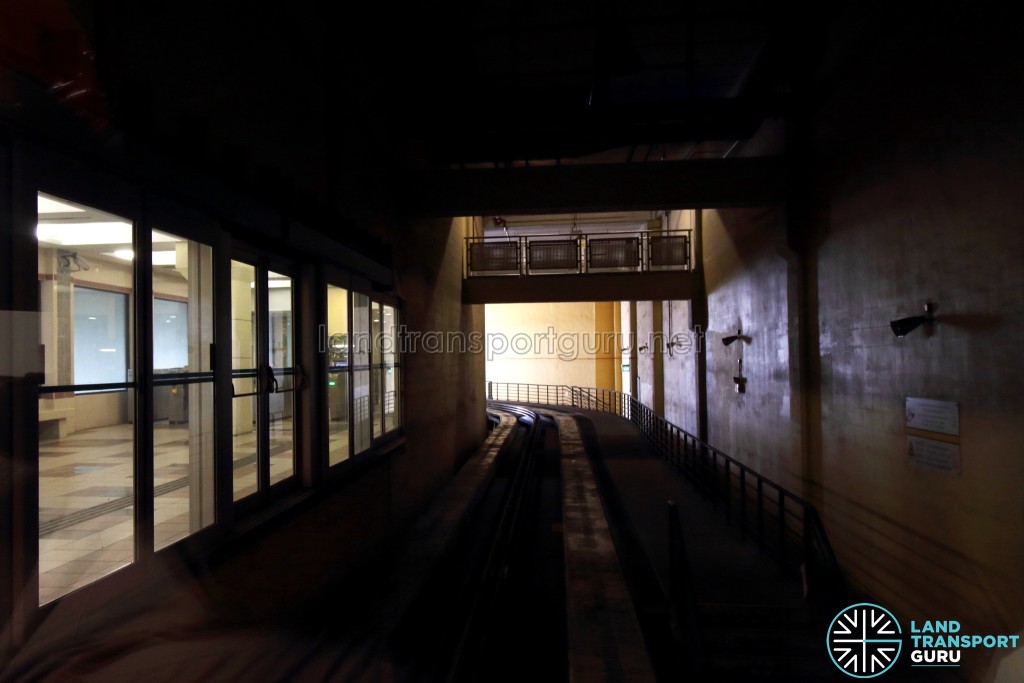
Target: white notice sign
(934,416)
(937,455)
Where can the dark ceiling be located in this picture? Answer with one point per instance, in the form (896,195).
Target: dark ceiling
(457,83)
(321,102)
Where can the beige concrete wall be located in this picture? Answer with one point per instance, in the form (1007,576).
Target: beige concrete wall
(444,416)
(917,200)
(922,202)
(680,366)
(649,377)
(746,276)
(628,326)
(565,343)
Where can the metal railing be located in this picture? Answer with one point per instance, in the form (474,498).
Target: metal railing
(606,252)
(783,524)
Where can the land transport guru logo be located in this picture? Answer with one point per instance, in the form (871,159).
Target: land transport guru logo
(865,640)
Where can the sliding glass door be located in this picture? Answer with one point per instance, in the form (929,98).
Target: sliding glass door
(87,431)
(265,377)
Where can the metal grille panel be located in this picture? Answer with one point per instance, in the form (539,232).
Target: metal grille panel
(554,255)
(623,252)
(669,251)
(494,257)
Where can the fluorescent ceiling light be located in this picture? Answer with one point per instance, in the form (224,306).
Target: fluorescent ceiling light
(85,233)
(160,258)
(164,258)
(274,284)
(45,204)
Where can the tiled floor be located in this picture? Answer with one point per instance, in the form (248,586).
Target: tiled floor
(87,504)
(86,510)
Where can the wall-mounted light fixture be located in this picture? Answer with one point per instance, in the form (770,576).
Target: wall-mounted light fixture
(904,326)
(733,337)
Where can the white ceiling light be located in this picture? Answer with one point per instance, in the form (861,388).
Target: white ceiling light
(97,233)
(45,204)
(84,234)
(274,284)
(164,258)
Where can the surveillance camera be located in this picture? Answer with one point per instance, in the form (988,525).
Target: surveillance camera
(730,339)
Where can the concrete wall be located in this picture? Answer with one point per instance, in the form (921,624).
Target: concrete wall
(444,414)
(680,366)
(746,279)
(921,201)
(913,193)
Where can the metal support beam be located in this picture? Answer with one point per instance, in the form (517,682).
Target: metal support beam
(668,285)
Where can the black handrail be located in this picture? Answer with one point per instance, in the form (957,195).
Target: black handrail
(782,522)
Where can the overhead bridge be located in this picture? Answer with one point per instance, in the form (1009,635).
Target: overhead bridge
(606,266)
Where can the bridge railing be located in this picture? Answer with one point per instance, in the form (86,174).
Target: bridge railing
(635,251)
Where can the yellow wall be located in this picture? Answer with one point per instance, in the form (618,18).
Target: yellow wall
(553,343)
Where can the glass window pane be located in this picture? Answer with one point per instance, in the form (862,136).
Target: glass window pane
(101,335)
(389,357)
(86,439)
(377,402)
(376,359)
(337,374)
(279,296)
(282,436)
(183,458)
(281,403)
(361,422)
(183,464)
(361,340)
(337,411)
(243,448)
(170,333)
(361,343)
(243,366)
(391,394)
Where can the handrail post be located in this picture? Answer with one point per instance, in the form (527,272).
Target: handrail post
(490,391)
